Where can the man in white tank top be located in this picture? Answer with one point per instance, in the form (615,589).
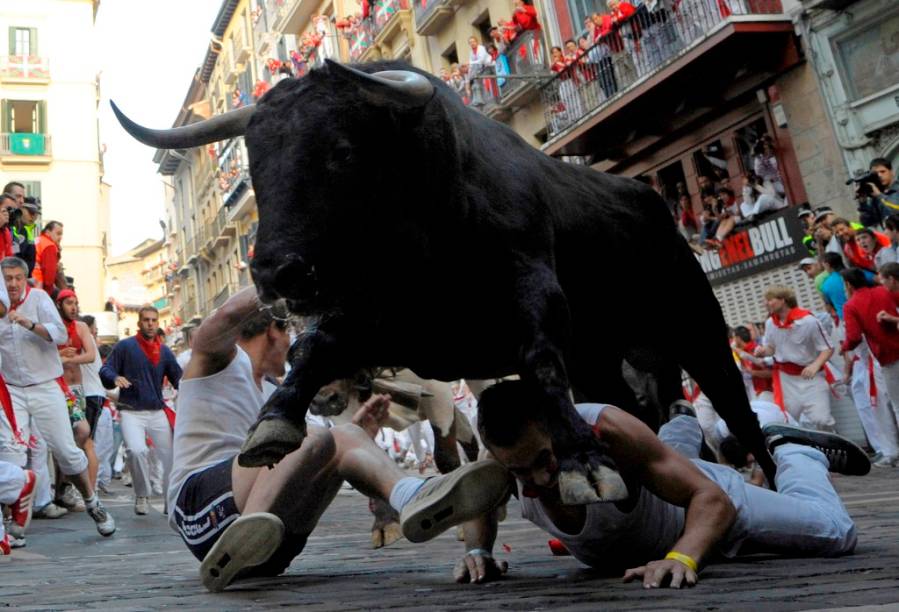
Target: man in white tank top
(682,512)
(243,522)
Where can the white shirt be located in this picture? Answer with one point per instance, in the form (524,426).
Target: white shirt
(28,359)
(801,343)
(214,414)
(90,375)
(477,59)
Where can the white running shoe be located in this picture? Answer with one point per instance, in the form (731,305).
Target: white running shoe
(141,505)
(105,522)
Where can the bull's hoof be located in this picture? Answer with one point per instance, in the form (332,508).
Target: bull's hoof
(389,534)
(578,486)
(268,441)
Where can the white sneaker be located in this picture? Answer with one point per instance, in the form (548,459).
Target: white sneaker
(105,522)
(141,505)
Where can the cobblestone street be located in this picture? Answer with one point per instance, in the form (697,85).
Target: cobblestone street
(145,567)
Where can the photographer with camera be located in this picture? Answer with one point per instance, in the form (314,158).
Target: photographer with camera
(877,192)
(7,206)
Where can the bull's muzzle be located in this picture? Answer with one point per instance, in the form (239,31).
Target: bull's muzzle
(292,279)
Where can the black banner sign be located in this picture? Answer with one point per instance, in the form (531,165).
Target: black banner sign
(769,243)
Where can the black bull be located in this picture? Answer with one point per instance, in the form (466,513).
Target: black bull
(377,194)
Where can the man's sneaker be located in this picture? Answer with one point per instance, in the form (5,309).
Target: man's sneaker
(141,505)
(105,522)
(103,488)
(20,511)
(248,541)
(15,542)
(126,480)
(886,462)
(49,511)
(844,456)
(70,499)
(462,495)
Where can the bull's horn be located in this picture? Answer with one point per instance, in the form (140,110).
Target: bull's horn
(220,127)
(404,87)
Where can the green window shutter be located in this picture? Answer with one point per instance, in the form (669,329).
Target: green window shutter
(12,41)
(4,116)
(32,41)
(42,117)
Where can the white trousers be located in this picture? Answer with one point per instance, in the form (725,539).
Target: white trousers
(46,406)
(878,421)
(38,462)
(12,479)
(808,400)
(137,426)
(104,446)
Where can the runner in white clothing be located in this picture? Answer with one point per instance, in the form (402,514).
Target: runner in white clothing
(801,348)
(681,512)
(253,521)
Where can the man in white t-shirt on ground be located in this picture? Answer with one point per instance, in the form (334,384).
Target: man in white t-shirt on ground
(801,348)
(243,522)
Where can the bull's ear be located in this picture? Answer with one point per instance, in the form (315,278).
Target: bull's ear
(402,88)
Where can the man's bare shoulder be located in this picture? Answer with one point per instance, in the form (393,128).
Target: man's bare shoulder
(203,364)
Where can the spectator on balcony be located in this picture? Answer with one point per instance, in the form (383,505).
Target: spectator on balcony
(717,222)
(764,164)
(685,218)
(498,40)
(759,196)
(478,62)
(600,52)
(500,65)
(48,274)
(525,17)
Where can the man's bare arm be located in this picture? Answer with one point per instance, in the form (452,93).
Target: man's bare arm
(675,479)
(87,340)
(215,340)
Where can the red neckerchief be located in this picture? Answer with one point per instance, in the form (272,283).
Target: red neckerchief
(22,301)
(151,348)
(74,339)
(794,315)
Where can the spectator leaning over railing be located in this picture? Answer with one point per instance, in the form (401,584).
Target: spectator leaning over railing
(47,272)
(525,17)
(853,253)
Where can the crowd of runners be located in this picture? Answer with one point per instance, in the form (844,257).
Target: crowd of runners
(184,418)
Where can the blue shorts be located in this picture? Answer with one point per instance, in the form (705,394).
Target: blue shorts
(204,509)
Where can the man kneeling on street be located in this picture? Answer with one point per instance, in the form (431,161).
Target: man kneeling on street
(244,522)
(682,512)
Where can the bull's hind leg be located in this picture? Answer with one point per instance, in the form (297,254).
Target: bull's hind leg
(281,425)
(586,474)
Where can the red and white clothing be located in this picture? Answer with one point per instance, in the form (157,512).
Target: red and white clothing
(797,342)
(869,394)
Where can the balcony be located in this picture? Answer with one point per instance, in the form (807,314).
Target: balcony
(25,148)
(654,59)
(496,92)
(162,304)
(28,69)
(360,40)
(432,15)
(385,22)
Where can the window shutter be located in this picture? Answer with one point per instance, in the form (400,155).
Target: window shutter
(42,117)
(32,41)
(4,116)
(12,41)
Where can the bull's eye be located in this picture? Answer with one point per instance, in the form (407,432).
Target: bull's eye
(342,154)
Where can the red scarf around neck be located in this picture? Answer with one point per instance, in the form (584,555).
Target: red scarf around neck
(74,339)
(15,305)
(151,348)
(794,315)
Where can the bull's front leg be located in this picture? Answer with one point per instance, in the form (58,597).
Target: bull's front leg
(586,473)
(320,358)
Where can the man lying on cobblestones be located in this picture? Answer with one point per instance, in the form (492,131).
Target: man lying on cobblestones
(243,522)
(682,512)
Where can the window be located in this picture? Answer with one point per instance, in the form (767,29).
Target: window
(32,188)
(711,161)
(746,138)
(870,57)
(22,41)
(581,9)
(450,55)
(24,116)
(483,26)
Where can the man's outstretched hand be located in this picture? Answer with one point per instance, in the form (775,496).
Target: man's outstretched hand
(655,574)
(478,569)
(372,414)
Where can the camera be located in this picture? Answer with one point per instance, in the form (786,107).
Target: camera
(862,180)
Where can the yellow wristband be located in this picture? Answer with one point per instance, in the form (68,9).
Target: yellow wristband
(685,559)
